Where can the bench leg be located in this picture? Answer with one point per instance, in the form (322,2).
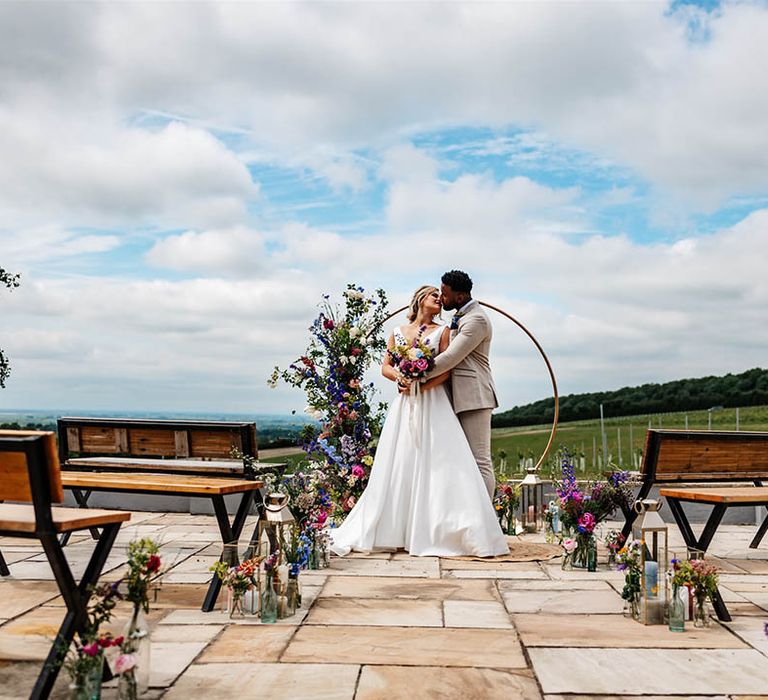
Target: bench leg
(82,502)
(702,543)
(758,538)
(630,514)
(230,534)
(76,596)
(4,570)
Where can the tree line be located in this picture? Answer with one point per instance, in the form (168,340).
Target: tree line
(749,388)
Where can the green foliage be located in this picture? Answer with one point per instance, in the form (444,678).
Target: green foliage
(11,282)
(749,388)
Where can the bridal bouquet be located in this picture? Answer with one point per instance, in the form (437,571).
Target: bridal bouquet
(414,360)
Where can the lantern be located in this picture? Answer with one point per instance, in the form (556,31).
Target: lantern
(531,501)
(276,523)
(653,534)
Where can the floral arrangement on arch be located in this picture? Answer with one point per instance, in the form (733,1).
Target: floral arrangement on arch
(344,341)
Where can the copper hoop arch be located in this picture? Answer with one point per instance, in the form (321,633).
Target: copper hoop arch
(553,430)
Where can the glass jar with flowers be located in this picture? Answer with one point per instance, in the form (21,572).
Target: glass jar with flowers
(613,541)
(238,579)
(84,662)
(704,579)
(569,546)
(505,503)
(629,561)
(682,577)
(269,594)
(584,506)
(133,663)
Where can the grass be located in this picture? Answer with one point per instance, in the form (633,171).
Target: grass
(583,440)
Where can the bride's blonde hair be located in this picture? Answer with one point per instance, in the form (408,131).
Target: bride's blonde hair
(418,297)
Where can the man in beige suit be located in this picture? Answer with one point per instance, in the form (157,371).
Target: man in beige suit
(473,391)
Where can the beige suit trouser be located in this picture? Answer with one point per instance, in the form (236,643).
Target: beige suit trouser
(477,428)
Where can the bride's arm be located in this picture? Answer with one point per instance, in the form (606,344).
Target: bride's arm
(387,369)
(439,379)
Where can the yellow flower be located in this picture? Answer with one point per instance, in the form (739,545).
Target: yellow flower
(367,460)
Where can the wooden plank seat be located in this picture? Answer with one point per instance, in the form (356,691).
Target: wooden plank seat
(30,474)
(720,499)
(710,458)
(166,457)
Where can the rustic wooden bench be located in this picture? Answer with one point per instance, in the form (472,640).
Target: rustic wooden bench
(170,458)
(30,473)
(706,457)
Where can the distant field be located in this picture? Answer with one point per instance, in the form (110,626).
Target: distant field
(583,438)
(579,438)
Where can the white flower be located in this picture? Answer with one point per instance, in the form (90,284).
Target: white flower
(354,332)
(343,360)
(354,294)
(353,359)
(313,413)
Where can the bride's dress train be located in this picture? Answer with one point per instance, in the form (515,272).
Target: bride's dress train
(425,493)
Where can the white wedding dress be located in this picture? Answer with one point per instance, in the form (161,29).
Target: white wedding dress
(425,493)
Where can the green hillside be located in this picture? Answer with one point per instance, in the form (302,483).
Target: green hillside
(749,388)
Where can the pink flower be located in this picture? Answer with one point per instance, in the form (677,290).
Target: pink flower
(124,663)
(91,649)
(328,324)
(569,545)
(358,471)
(322,516)
(587,522)
(421,364)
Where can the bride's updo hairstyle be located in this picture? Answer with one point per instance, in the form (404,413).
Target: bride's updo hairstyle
(418,296)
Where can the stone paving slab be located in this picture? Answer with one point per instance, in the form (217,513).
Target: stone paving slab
(219,617)
(473,613)
(265,681)
(169,659)
(407,588)
(17,597)
(406,646)
(407,683)
(617,631)
(672,671)
(186,633)
(547,585)
(494,574)
(751,630)
(527,601)
(357,611)
(264,643)
(647,697)
(420,567)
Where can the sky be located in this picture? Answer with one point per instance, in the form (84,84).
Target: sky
(181,182)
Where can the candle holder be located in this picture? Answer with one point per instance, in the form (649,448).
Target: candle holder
(653,534)
(531,501)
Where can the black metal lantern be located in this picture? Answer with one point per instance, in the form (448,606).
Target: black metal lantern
(275,524)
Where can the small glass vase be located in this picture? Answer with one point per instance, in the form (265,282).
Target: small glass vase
(676,611)
(632,607)
(700,612)
(87,685)
(236,610)
(581,553)
(251,603)
(592,554)
(567,562)
(269,601)
(134,682)
(292,595)
(612,559)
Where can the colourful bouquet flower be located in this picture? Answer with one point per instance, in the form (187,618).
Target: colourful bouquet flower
(240,578)
(505,502)
(143,568)
(629,561)
(614,540)
(413,360)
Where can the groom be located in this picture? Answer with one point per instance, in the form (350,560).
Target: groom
(474,394)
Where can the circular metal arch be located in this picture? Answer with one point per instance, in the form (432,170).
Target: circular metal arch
(553,430)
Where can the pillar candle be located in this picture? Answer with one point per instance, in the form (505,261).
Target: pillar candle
(651,578)
(531,514)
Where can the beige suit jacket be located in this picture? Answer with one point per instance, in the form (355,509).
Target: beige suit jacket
(472,385)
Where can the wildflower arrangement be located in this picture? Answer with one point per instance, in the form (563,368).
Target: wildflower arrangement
(86,656)
(505,503)
(343,343)
(613,541)
(240,578)
(629,560)
(414,360)
(143,567)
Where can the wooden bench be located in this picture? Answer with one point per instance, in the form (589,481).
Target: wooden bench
(712,458)
(29,472)
(170,458)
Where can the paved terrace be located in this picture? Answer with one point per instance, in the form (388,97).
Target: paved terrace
(393,626)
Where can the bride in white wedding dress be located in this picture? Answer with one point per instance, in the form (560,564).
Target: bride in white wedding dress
(425,493)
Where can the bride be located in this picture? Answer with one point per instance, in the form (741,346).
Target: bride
(425,493)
